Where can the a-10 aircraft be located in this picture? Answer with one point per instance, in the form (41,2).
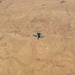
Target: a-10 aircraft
(38,35)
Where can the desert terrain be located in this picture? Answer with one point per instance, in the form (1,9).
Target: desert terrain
(21,53)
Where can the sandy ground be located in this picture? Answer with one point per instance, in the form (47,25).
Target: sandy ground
(21,53)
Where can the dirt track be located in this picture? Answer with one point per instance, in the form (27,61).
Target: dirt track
(21,53)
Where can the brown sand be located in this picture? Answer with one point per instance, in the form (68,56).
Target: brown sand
(23,54)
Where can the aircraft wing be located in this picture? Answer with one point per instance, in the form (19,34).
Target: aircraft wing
(35,35)
(42,36)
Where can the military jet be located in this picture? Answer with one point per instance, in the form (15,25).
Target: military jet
(38,35)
